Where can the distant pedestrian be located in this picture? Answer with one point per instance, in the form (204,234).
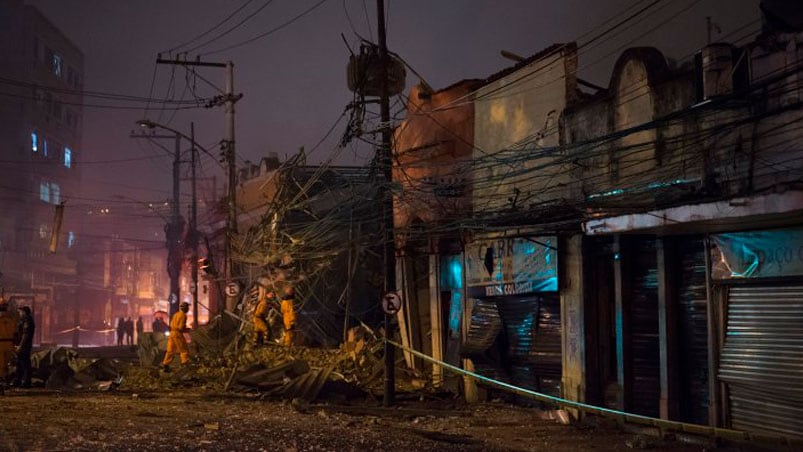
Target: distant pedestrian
(25,330)
(140,329)
(120,331)
(129,331)
(159,326)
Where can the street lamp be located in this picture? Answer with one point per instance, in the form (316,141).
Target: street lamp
(173,227)
(231,219)
(174,257)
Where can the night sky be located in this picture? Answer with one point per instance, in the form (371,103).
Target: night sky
(293,80)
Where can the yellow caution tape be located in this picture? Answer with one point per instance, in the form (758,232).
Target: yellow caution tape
(621,416)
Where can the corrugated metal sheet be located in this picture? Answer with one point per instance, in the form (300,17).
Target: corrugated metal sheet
(644,331)
(762,359)
(693,334)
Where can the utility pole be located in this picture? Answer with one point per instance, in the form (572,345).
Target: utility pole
(173,232)
(386,160)
(173,227)
(228,99)
(194,233)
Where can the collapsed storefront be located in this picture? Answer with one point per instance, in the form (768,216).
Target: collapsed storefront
(512,318)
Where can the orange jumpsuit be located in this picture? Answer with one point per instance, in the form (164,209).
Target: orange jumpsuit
(8,325)
(261,320)
(176,342)
(288,314)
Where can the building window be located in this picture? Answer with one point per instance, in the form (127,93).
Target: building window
(55,193)
(36,49)
(39,97)
(44,146)
(57,110)
(70,239)
(34,142)
(43,231)
(48,102)
(67,157)
(44,191)
(57,62)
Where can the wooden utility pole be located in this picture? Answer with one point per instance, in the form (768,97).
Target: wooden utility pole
(386,160)
(194,233)
(174,234)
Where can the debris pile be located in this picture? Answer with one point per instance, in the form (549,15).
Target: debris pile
(63,368)
(304,374)
(351,371)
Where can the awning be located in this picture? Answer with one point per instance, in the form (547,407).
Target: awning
(776,209)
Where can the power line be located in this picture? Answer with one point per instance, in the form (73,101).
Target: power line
(269,32)
(234,27)
(86,93)
(213,28)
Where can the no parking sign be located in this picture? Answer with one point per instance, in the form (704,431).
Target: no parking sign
(391,303)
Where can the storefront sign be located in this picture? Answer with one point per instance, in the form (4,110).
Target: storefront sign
(760,254)
(512,266)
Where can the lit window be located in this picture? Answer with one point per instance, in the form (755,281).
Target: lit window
(34,142)
(55,193)
(44,192)
(70,239)
(67,157)
(43,231)
(57,65)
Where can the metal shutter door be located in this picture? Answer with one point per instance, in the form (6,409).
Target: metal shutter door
(762,359)
(693,334)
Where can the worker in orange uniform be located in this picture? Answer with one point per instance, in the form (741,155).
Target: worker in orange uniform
(176,342)
(8,326)
(288,314)
(261,316)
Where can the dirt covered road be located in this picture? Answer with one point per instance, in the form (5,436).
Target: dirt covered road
(187,419)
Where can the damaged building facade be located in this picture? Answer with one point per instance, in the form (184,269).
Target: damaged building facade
(317,227)
(636,247)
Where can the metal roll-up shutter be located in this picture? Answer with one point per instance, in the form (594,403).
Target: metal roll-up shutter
(485,326)
(644,331)
(482,340)
(532,326)
(545,354)
(519,318)
(693,333)
(762,358)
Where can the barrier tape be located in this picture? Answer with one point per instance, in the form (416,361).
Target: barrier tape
(621,416)
(78,328)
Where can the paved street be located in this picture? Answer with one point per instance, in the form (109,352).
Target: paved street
(38,419)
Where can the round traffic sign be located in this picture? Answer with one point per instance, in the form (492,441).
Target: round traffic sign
(232,289)
(391,303)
